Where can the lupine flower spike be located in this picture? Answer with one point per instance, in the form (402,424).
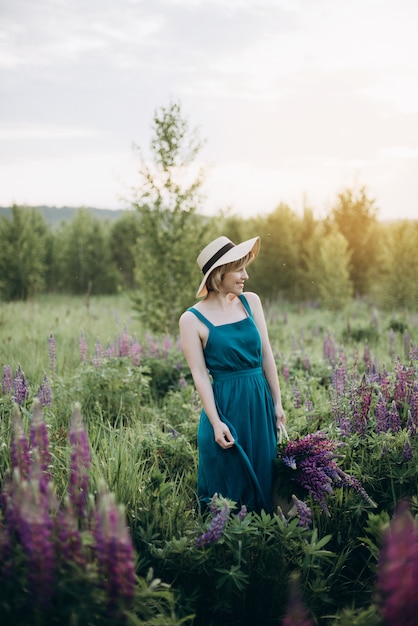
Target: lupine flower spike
(397,571)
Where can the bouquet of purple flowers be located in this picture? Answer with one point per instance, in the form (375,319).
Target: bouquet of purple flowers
(308,466)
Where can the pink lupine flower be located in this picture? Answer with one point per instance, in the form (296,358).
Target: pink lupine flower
(98,354)
(136,352)
(80,463)
(397,571)
(124,343)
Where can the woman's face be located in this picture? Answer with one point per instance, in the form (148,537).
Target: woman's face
(233,282)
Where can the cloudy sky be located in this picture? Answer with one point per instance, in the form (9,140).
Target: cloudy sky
(296,99)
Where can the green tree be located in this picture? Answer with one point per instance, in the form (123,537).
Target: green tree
(276,270)
(23,247)
(123,236)
(83,256)
(327,268)
(398,283)
(170,229)
(355,217)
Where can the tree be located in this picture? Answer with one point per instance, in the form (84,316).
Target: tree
(23,245)
(170,230)
(277,266)
(83,256)
(122,242)
(398,283)
(327,269)
(355,217)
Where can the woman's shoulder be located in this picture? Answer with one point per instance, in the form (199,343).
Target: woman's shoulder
(252,298)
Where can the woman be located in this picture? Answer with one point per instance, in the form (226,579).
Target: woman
(225,341)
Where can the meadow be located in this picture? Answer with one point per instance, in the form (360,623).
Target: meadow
(98,460)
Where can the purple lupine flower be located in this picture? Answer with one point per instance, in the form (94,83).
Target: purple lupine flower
(20,386)
(306,363)
(296,612)
(110,351)
(7,381)
(124,343)
(381,415)
(114,552)
(308,406)
(339,379)
(367,358)
(412,423)
(136,352)
(365,397)
(83,348)
(311,463)
(80,463)
(405,379)
(217,525)
(44,392)
(397,570)
(39,440)
(98,354)
(303,512)
(385,385)
(407,453)
(152,344)
(242,513)
(394,420)
(52,346)
(19,446)
(329,349)
(68,543)
(297,396)
(33,524)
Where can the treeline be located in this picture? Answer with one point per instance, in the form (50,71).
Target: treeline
(151,249)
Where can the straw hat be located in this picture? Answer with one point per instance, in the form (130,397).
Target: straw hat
(221,251)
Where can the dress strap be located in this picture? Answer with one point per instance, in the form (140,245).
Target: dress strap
(201,317)
(245,303)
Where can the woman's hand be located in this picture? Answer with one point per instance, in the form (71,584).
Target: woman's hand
(223,436)
(280,416)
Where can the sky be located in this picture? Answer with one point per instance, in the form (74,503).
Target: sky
(296,100)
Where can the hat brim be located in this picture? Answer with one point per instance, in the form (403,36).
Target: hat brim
(234,254)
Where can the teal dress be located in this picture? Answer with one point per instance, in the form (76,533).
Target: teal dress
(243,473)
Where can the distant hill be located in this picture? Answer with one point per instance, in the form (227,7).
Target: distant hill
(55,215)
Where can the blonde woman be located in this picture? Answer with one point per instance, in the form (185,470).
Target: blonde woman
(225,341)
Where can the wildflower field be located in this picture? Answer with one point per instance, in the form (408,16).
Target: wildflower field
(98,459)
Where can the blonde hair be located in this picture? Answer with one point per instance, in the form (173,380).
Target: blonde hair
(217,275)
